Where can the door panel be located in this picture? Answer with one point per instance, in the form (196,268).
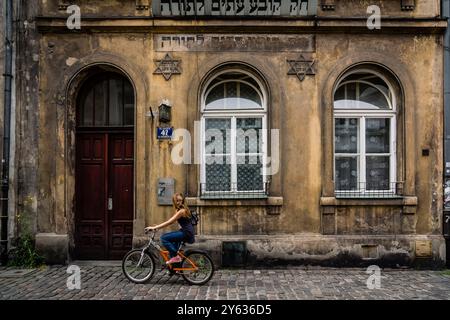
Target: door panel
(129,148)
(90,190)
(92,198)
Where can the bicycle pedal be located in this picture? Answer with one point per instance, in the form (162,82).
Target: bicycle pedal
(173,273)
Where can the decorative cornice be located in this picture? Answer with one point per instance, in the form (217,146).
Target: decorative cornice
(318,24)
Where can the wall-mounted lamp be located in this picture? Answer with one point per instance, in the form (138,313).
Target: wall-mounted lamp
(165,112)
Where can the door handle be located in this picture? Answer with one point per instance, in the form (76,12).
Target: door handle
(110,204)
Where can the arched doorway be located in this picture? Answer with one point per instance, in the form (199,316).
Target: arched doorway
(104,177)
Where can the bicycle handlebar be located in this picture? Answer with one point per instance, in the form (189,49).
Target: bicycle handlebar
(154,231)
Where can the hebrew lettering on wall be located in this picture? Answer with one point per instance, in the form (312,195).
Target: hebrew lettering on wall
(172,8)
(235,42)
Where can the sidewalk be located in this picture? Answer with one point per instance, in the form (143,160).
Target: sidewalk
(106,282)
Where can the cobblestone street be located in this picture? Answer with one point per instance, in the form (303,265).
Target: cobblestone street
(290,283)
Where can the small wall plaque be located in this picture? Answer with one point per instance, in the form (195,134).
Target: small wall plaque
(301,67)
(164,133)
(423,248)
(167,66)
(166,189)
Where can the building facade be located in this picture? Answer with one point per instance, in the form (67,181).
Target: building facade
(302,132)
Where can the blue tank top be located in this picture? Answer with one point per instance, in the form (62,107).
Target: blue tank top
(187,228)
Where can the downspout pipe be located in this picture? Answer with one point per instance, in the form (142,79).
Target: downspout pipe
(7,127)
(445,12)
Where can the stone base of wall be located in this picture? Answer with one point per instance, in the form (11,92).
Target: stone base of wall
(422,251)
(53,247)
(447,245)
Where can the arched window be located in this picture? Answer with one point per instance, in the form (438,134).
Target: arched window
(234,138)
(106,100)
(364,135)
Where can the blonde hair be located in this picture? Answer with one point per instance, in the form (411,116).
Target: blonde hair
(187,212)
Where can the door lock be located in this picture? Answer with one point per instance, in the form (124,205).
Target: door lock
(110,203)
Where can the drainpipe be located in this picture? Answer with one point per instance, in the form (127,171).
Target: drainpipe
(445,12)
(6,134)
(446,15)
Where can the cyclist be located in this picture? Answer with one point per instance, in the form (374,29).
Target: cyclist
(171,240)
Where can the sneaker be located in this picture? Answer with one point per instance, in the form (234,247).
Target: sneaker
(175,259)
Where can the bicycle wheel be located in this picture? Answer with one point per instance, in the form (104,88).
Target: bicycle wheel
(204,264)
(138,266)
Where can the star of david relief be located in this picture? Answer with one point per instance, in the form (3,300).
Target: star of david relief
(167,67)
(301,67)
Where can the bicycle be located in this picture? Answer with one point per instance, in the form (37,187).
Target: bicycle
(196,266)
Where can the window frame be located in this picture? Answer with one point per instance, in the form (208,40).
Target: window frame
(358,93)
(89,86)
(362,115)
(233,115)
(207,88)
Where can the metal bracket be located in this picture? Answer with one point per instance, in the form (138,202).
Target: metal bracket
(408,5)
(328,5)
(142,5)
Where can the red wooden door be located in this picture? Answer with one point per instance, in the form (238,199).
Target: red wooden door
(104,195)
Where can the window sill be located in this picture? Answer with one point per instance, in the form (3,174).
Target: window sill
(232,196)
(205,202)
(398,201)
(362,196)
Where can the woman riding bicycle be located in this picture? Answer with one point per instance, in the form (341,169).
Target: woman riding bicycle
(171,240)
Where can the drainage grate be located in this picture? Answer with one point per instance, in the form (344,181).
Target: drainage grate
(234,253)
(16,273)
(369,251)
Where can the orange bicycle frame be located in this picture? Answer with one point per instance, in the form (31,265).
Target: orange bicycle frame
(165,255)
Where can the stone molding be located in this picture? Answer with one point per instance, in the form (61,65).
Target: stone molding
(269,201)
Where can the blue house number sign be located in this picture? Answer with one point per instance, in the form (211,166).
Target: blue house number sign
(164,133)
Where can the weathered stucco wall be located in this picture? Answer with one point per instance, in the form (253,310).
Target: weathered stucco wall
(31,193)
(300,109)
(301,150)
(412,57)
